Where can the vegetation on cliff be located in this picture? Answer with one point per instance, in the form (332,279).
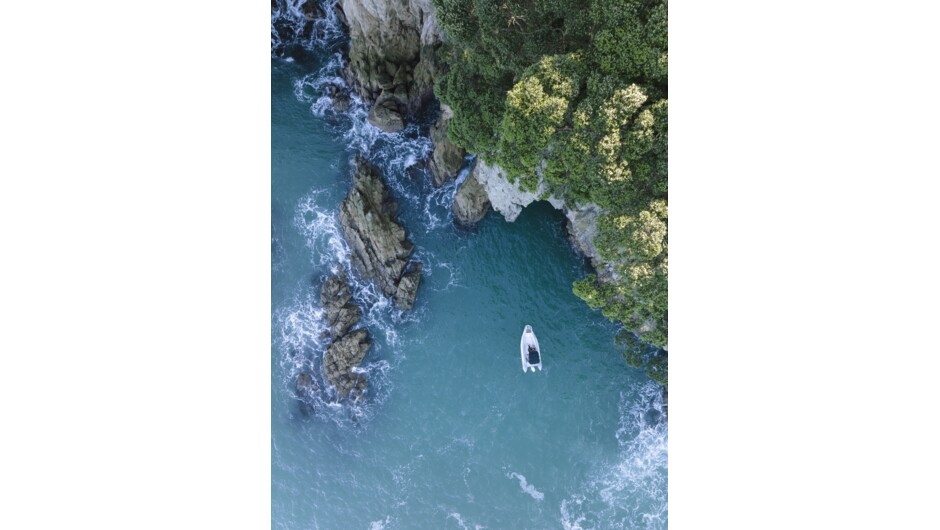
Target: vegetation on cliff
(574,93)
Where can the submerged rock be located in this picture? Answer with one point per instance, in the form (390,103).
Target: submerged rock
(339,96)
(380,251)
(307,387)
(471,201)
(447,158)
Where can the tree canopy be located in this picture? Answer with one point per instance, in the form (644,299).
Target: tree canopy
(575,93)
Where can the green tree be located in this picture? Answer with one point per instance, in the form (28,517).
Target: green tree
(576,93)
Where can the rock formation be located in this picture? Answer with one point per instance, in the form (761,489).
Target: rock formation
(347,348)
(508,199)
(471,202)
(341,358)
(391,55)
(336,300)
(386,114)
(447,158)
(380,251)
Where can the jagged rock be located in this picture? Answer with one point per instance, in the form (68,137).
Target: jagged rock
(582,229)
(471,201)
(344,319)
(341,357)
(380,251)
(509,199)
(335,291)
(392,49)
(339,96)
(348,348)
(385,114)
(408,287)
(447,158)
(341,313)
(341,101)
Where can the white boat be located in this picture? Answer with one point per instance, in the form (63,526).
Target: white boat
(529,348)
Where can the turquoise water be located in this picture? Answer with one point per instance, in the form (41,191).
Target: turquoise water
(453,433)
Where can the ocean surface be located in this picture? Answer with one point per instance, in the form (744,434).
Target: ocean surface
(452,433)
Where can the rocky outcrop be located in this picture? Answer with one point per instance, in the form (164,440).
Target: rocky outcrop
(471,202)
(380,251)
(347,348)
(386,114)
(391,52)
(341,314)
(341,358)
(582,229)
(447,158)
(508,199)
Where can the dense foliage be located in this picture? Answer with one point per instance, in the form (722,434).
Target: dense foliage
(574,93)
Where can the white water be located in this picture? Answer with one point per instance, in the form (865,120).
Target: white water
(449,436)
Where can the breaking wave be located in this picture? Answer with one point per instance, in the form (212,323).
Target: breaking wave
(304,24)
(631,492)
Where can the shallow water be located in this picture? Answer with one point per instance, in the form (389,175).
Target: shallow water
(452,434)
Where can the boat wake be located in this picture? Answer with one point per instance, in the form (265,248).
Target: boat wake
(529,489)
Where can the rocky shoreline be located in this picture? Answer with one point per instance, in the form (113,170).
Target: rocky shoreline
(391,65)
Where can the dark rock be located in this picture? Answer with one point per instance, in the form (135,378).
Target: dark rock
(447,158)
(392,49)
(339,96)
(306,384)
(312,10)
(385,114)
(341,102)
(408,287)
(380,251)
(307,388)
(471,201)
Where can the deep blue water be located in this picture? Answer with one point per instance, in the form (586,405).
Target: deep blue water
(452,434)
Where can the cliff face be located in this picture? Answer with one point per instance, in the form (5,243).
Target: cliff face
(391,61)
(391,55)
(508,199)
